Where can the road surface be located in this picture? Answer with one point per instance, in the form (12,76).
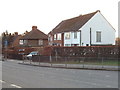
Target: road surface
(16,75)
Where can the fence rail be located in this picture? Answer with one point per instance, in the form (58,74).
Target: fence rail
(74,62)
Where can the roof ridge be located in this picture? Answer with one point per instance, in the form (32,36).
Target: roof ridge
(82,15)
(35,34)
(73,24)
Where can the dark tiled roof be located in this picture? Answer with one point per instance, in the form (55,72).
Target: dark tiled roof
(35,34)
(73,24)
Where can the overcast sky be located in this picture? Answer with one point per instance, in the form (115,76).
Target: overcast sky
(21,15)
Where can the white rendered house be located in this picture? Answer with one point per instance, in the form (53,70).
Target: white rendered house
(84,30)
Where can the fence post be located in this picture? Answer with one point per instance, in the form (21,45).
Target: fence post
(56,55)
(23,59)
(51,60)
(30,60)
(66,62)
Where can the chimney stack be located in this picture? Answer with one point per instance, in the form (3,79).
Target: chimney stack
(34,27)
(16,33)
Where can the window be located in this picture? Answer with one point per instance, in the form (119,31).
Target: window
(55,37)
(67,35)
(59,36)
(21,42)
(51,38)
(21,50)
(98,36)
(48,37)
(25,41)
(75,35)
(40,42)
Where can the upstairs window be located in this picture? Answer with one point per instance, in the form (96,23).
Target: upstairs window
(59,36)
(25,42)
(55,37)
(98,36)
(49,37)
(21,42)
(40,42)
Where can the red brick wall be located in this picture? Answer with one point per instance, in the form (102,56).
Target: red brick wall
(58,41)
(35,43)
(45,43)
(16,42)
(32,43)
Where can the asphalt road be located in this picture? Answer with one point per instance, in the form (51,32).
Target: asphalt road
(16,75)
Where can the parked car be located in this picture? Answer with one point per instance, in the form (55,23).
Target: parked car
(29,56)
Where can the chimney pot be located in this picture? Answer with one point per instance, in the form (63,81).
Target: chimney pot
(16,33)
(34,27)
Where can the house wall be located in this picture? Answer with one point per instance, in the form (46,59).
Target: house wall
(72,40)
(45,42)
(32,43)
(16,42)
(98,23)
(35,43)
(51,40)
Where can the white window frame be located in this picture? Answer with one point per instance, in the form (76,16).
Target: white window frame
(25,41)
(49,37)
(40,42)
(75,35)
(59,36)
(21,42)
(67,35)
(55,36)
(98,36)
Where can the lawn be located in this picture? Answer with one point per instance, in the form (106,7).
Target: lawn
(105,62)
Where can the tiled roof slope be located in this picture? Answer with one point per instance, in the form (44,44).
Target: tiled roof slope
(35,34)
(73,24)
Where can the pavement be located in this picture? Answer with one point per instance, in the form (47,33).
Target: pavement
(16,75)
(72,66)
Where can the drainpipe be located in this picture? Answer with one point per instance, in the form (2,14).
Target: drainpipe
(90,37)
(80,38)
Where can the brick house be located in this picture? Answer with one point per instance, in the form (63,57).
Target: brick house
(16,38)
(34,38)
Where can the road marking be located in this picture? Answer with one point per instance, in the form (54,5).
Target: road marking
(2,81)
(15,86)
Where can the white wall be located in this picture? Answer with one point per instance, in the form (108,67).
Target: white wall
(72,40)
(98,23)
